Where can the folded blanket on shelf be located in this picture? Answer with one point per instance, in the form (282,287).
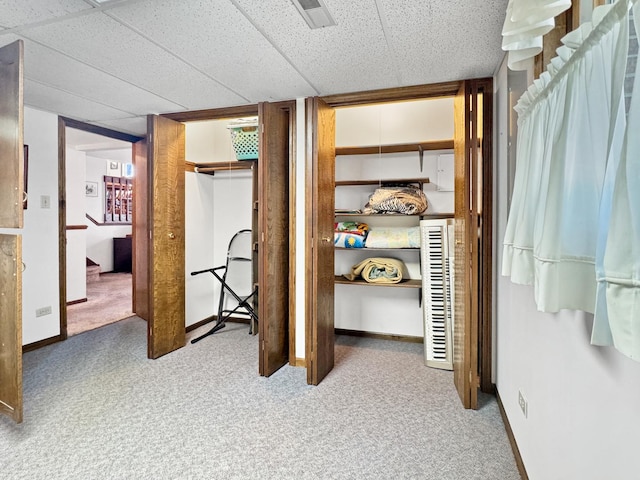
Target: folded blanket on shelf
(378,270)
(406,200)
(348,240)
(393,238)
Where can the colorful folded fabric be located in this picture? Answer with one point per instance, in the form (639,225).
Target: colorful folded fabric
(393,238)
(378,270)
(407,200)
(348,240)
(356,228)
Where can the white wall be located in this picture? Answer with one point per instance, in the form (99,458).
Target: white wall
(583,400)
(383,309)
(75,214)
(208,141)
(40,284)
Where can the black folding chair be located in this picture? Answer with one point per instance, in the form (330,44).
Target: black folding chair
(237,293)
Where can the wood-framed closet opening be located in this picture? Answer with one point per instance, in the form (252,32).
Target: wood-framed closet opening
(273,207)
(320,158)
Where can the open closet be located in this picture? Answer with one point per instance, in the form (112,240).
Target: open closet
(403,150)
(455,147)
(222,195)
(219,197)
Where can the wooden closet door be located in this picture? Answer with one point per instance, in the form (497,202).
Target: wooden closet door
(466,259)
(11,191)
(321,154)
(141,243)
(273,238)
(166,147)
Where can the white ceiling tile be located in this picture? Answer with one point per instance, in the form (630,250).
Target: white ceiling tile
(219,40)
(50,99)
(124,59)
(104,43)
(351,56)
(443,41)
(14,13)
(57,70)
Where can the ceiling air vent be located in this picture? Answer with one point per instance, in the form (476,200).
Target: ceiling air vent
(315,13)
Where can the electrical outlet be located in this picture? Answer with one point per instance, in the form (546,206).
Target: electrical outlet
(41,312)
(524,406)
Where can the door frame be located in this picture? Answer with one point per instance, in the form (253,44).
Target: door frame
(63,123)
(449,90)
(250,111)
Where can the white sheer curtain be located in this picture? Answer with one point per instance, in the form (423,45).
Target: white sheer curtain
(566,222)
(617,317)
(518,244)
(574,225)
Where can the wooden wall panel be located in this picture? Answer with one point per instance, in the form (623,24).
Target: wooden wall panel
(140,253)
(11,326)
(320,336)
(11,126)
(273,234)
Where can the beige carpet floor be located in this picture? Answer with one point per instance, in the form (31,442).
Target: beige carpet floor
(108,300)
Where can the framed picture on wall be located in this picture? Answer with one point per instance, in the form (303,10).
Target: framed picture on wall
(113,169)
(127,170)
(91,189)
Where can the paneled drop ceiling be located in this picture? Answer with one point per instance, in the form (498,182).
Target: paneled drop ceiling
(112,62)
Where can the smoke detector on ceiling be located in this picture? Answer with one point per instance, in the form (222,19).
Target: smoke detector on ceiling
(315,13)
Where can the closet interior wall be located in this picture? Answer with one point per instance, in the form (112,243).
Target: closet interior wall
(382,309)
(217,207)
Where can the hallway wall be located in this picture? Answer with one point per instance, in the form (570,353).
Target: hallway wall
(40,233)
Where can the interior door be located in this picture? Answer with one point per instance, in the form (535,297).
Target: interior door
(273,237)
(321,126)
(166,203)
(11,191)
(141,243)
(466,260)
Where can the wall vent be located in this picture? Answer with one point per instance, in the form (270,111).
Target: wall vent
(315,13)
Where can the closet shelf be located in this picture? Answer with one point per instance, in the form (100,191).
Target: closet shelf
(387,181)
(394,215)
(365,249)
(213,167)
(403,284)
(396,148)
